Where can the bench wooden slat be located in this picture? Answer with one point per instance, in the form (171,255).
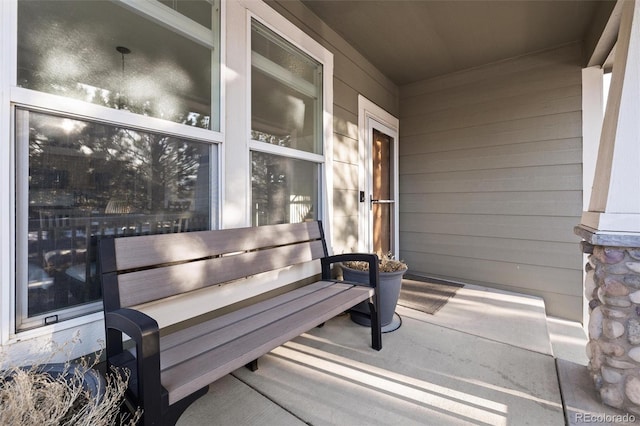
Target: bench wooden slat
(252,320)
(143,251)
(177,279)
(201,329)
(185,378)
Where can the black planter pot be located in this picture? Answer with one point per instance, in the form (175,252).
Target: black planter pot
(92,381)
(86,385)
(389,291)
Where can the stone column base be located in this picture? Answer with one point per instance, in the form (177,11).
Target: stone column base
(612,286)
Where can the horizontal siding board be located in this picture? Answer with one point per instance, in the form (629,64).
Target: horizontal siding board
(345,233)
(569,55)
(537,153)
(538,228)
(528,104)
(540,104)
(345,176)
(525,130)
(531,179)
(345,149)
(346,202)
(345,123)
(347,70)
(345,96)
(537,80)
(554,204)
(560,305)
(526,252)
(482,272)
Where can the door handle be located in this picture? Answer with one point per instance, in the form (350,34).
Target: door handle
(373,201)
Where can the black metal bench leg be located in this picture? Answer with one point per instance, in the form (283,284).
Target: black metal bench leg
(376,329)
(176,410)
(253,365)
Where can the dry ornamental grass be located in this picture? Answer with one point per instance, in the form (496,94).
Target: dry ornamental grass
(31,396)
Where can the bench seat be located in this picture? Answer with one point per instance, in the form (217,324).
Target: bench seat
(192,358)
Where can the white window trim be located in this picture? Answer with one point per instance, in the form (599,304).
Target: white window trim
(46,102)
(8,72)
(287,152)
(171,19)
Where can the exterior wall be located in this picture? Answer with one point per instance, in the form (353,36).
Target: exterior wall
(353,75)
(491,179)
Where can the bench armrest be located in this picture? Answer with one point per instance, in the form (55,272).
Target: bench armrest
(372,259)
(135,324)
(374,302)
(144,331)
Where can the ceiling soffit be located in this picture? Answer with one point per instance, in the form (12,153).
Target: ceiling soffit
(416,40)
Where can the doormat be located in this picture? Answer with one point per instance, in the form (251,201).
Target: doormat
(426,294)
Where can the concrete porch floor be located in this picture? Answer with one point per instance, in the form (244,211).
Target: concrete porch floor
(487,357)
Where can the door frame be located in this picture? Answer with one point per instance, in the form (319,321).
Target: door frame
(370,117)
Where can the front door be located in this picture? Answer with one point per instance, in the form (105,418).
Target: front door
(381,198)
(379,179)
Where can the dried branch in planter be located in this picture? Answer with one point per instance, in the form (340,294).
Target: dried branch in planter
(387,264)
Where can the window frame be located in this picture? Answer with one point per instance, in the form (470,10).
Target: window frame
(15,301)
(300,40)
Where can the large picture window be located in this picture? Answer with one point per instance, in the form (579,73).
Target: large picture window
(286,130)
(117,131)
(87,180)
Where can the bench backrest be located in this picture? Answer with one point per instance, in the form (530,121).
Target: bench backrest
(136,270)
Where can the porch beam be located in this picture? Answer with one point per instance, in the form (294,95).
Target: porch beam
(615,205)
(603,32)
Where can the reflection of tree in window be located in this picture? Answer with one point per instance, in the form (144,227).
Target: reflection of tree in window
(269,188)
(284,190)
(89,179)
(144,169)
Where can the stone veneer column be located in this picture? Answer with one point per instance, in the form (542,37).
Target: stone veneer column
(610,227)
(612,286)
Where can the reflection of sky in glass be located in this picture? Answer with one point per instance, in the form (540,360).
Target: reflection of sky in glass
(286,93)
(69,48)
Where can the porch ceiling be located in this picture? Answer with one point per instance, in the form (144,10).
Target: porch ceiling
(415,40)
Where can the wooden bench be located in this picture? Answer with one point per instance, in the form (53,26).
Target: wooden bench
(170,371)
